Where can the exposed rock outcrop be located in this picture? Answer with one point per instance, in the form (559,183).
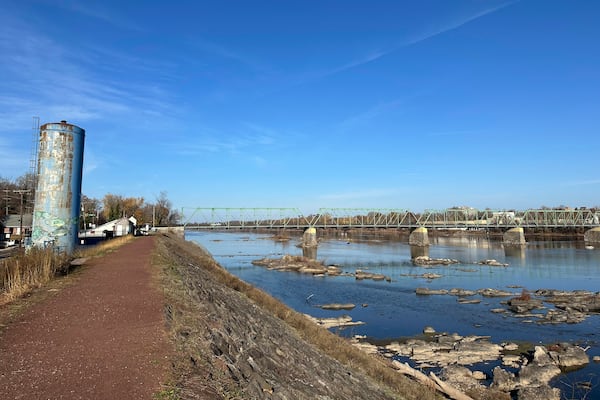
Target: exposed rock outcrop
(360,275)
(427,261)
(422,291)
(447,349)
(492,263)
(298,264)
(454,353)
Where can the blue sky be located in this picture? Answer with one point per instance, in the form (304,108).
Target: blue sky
(308,104)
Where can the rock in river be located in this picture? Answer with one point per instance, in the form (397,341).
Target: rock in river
(426,261)
(426,291)
(338,306)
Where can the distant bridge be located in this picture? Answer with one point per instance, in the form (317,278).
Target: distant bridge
(348,218)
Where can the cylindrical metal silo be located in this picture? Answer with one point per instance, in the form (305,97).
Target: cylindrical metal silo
(58,193)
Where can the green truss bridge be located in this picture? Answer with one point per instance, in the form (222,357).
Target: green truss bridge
(348,218)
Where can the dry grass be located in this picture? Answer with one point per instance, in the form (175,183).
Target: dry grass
(377,368)
(30,270)
(27,271)
(105,247)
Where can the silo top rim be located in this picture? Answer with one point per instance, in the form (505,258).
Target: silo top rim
(62,125)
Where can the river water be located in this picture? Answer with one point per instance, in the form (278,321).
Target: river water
(393,310)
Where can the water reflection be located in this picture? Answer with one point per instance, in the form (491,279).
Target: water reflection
(310,252)
(419,251)
(514,251)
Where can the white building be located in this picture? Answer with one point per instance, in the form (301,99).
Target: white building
(115,228)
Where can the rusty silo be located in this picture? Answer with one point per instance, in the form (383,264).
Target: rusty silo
(58,193)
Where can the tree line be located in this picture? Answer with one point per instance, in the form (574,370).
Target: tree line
(18,196)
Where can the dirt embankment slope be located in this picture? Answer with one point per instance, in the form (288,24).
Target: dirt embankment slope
(233,342)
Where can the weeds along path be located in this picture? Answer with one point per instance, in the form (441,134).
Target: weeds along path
(100,338)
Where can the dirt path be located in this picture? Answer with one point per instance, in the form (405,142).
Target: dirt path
(101,338)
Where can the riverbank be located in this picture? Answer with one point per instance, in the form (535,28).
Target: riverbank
(235,341)
(392,309)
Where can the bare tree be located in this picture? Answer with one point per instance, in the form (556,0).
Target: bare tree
(10,200)
(164,215)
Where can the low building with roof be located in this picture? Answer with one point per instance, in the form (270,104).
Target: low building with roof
(115,228)
(11,226)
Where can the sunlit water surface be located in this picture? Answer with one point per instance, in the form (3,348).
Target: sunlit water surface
(393,309)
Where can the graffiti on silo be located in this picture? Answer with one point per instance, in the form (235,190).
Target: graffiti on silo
(58,193)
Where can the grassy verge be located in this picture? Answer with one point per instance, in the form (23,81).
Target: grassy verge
(105,247)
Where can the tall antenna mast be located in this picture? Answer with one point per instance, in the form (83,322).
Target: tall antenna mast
(33,172)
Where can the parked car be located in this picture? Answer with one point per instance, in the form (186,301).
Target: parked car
(6,243)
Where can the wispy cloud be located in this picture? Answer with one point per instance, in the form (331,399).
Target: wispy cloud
(42,76)
(265,136)
(98,11)
(416,38)
(211,144)
(368,115)
(237,56)
(237,140)
(90,162)
(451,25)
(368,58)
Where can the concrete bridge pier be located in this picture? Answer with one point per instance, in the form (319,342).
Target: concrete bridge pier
(592,236)
(309,252)
(514,251)
(309,238)
(419,237)
(419,251)
(514,237)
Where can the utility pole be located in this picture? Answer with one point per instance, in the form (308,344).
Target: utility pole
(6,201)
(84,224)
(21,192)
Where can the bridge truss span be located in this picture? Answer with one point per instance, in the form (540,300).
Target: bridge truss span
(346,218)
(227,218)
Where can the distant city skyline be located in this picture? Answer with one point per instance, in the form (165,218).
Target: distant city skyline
(383,104)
